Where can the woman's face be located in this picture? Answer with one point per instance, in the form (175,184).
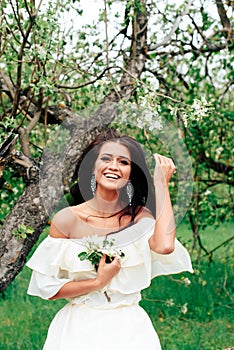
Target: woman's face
(113,166)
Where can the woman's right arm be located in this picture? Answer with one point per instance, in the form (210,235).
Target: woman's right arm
(105,274)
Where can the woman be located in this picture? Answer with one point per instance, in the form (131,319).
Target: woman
(115,203)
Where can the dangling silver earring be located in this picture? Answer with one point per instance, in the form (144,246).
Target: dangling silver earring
(129,190)
(93,184)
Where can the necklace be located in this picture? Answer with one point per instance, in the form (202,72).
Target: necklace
(100,213)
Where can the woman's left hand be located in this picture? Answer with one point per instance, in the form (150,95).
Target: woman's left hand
(164,169)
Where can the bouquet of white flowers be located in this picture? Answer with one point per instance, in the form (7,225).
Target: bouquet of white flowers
(96,249)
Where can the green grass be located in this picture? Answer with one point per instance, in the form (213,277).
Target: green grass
(186,316)
(194,316)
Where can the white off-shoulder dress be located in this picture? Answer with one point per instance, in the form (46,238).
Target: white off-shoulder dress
(90,322)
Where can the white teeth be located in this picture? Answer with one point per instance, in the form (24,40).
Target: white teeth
(111,176)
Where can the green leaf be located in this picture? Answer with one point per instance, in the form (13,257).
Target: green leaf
(92,255)
(83,256)
(30,230)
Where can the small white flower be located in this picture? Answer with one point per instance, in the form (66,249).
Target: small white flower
(187,281)
(196,105)
(204,101)
(199,108)
(173,110)
(219,150)
(140,124)
(184,308)
(170,302)
(157,124)
(143,100)
(148,116)
(185,119)
(207,192)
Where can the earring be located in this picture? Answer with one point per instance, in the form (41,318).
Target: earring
(129,190)
(93,184)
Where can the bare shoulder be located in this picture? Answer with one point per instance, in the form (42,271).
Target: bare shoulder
(143,213)
(79,210)
(61,223)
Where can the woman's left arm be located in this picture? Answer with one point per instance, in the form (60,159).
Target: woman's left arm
(163,239)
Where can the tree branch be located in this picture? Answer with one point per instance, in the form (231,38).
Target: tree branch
(175,26)
(221,245)
(223,15)
(19,67)
(219,167)
(84,84)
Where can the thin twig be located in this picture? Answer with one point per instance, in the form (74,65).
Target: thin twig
(84,84)
(173,29)
(221,244)
(107,51)
(151,90)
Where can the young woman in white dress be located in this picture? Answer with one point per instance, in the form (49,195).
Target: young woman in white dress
(117,200)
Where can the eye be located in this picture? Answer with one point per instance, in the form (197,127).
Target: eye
(124,162)
(106,158)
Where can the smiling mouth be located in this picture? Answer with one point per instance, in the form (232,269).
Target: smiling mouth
(112,176)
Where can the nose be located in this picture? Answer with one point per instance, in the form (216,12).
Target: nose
(113,164)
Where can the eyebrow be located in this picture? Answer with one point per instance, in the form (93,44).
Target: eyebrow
(111,155)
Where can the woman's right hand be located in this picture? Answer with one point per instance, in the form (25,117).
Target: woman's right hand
(106,272)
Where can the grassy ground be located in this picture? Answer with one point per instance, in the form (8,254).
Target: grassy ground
(189,311)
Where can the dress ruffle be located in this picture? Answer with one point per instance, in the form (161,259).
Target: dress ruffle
(56,262)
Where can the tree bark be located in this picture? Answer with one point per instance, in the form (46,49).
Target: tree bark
(223,14)
(41,197)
